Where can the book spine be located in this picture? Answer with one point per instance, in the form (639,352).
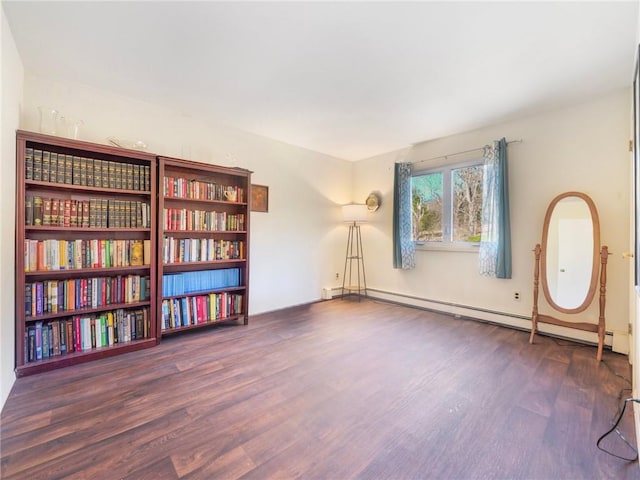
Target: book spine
(63,337)
(46,165)
(28,210)
(37,165)
(76,170)
(68,169)
(38,340)
(71,345)
(118,175)
(46,212)
(31,342)
(53,168)
(55,337)
(83,171)
(28,163)
(61,167)
(90,172)
(112,174)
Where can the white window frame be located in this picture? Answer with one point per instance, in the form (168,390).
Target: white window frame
(447,244)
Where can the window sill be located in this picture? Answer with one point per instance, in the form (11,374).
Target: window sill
(448,247)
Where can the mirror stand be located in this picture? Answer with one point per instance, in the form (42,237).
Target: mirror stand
(598,328)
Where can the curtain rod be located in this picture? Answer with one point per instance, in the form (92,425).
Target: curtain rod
(460,153)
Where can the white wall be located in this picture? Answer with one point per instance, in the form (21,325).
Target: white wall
(10,101)
(293,246)
(582,148)
(634,304)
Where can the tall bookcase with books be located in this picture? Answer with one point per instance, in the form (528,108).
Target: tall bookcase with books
(203,245)
(85,251)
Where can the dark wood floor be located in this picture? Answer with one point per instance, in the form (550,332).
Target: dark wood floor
(333,390)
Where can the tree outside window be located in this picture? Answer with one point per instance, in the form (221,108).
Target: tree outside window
(447,204)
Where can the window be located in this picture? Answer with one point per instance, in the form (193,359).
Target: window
(447,204)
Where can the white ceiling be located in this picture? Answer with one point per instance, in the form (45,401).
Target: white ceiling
(348,79)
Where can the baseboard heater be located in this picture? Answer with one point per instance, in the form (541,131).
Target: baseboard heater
(457,310)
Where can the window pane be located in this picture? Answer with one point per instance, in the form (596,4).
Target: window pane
(427,207)
(467,203)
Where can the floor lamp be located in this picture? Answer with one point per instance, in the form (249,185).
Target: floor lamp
(354,214)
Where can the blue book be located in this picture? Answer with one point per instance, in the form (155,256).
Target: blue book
(38,340)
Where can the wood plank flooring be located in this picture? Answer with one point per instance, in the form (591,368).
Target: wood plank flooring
(332,390)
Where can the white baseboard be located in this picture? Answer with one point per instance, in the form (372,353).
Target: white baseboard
(617,340)
(620,342)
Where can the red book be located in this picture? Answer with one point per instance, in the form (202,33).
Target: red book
(83,294)
(198,310)
(203,312)
(123,289)
(103,287)
(78,333)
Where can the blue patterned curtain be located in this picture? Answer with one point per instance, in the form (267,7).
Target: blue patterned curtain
(495,245)
(403,246)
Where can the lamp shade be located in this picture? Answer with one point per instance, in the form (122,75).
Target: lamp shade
(354,213)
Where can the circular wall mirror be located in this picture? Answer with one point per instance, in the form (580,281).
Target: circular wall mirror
(570,252)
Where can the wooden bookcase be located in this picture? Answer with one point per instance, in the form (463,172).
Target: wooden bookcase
(203,245)
(85,251)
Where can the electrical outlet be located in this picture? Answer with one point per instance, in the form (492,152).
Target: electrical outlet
(516,295)
(337,275)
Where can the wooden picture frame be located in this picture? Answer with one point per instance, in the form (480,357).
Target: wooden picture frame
(259,198)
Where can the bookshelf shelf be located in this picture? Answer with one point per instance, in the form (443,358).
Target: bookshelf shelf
(203,215)
(205,232)
(80,188)
(171,200)
(74,358)
(73,191)
(52,228)
(172,331)
(87,311)
(84,272)
(189,266)
(207,292)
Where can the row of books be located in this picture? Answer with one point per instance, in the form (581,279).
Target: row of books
(176,284)
(55,296)
(176,219)
(185,311)
(175,187)
(44,340)
(93,213)
(44,166)
(54,255)
(180,250)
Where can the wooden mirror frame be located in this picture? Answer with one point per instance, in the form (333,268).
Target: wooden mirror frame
(540,264)
(595,224)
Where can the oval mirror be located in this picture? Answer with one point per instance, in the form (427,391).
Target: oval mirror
(570,252)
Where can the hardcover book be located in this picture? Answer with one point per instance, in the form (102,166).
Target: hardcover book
(37,165)
(53,168)
(68,169)
(137,253)
(46,165)
(28,160)
(90,174)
